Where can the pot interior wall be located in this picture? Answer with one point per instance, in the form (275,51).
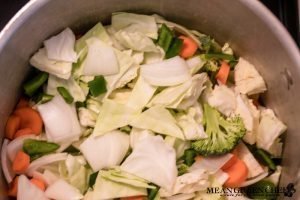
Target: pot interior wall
(247,26)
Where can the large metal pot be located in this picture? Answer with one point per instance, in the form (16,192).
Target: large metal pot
(247,25)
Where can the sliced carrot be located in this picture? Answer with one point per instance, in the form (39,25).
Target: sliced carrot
(30,118)
(23,102)
(223,73)
(13,187)
(21,162)
(189,47)
(134,198)
(12,125)
(40,184)
(237,174)
(24,131)
(232,160)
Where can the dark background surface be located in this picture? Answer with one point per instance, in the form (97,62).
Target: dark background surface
(285,10)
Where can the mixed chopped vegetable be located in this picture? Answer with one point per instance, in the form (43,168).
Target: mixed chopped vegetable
(142,108)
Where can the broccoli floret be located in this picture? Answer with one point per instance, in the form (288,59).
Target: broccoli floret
(223,134)
(182,169)
(209,45)
(210,66)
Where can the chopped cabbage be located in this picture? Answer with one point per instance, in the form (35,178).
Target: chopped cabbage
(119,80)
(223,99)
(106,189)
(74,172)
(58,68)
(27,190)
(157,119)
(270,127)
(192,129)
(210,164)
(138,134)
(179,28)
(100,60)
(61,46)
(60,120)
(70,84)
(97,31)
(61,190)
(45,161)
(247,79)
(153,57)
(168,72)
(120,176)
(120,95)
(113,115)
(141,94)
(107,150)
(135,40)
(140,23)
(254,168)
(188,183)
(195,64)
(93,105)
(250,115)
(181,96)
(87,118)
(153,160)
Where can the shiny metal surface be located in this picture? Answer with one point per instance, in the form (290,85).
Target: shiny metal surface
(249,27)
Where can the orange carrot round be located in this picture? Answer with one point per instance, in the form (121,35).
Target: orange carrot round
(21,162)
(23,102)
(40,184)
(189,47)
(24,131)
(237,174)
(30,118)
(13,188)
(230,162)
(12,125)
(223,73)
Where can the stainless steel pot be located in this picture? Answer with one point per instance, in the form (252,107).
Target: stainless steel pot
(247,25)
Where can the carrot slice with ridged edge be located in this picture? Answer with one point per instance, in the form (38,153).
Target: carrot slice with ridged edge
(30,118)
(189,47)
(21,162)
(40,184)
(232,160)
(237,174)
(24,131)
(12,125)
(223,73)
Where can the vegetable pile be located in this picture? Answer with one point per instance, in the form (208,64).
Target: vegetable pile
(140,109)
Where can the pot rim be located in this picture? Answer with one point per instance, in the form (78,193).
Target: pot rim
(255,6)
